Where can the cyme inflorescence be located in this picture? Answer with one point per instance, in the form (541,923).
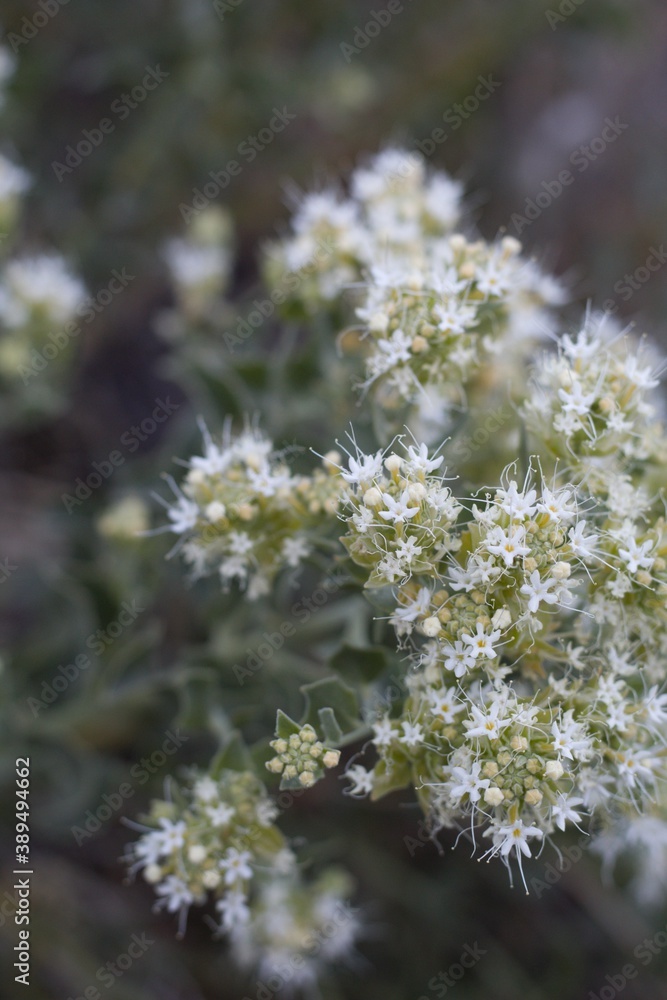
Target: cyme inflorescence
(243,513)
(215,838)
(435,312)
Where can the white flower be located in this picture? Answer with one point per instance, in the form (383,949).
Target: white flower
(455,317)
(636,555)
(488,723)
(221,815)
(539,590)
(656,706)
(575,400)
(481,644)
(363,469)
(413,734)
(384,732)
(419,463)
(233,910)
(205,789)
(458,659)
(176,894)
(569,739)
(564,811)
(515,836)
(294,550)
(413,609)
(467,782)
(559,505)
(583,544)
(398,511)
(517,504)
(444,704)
(171,837)
(235,866)
(361,781)
(509,544)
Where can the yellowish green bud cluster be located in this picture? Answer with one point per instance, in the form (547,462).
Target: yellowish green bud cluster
(301,758)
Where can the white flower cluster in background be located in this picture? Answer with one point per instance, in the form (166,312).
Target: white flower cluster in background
(200,263)
(39,296)
(593,405)
(242,512)
(297,930)
(215,837)
(394,209)
(435,308)
(40,300)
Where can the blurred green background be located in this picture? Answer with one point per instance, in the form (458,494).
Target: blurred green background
(557,77)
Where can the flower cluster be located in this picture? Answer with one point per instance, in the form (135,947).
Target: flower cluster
(210,837)
(399,514)
(593,406)
(200,264)
(297,929)
(40,299)
(241,511)
(535,700)
(301,758)
(437,309)
(215,837)
(394,209)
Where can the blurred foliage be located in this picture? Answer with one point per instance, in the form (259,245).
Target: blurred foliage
(173,666)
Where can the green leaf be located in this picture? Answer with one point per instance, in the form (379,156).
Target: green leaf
(333,693)
(390,778)
(331,703)
(360,665)
(235,756)
(285,727)
(331,731)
